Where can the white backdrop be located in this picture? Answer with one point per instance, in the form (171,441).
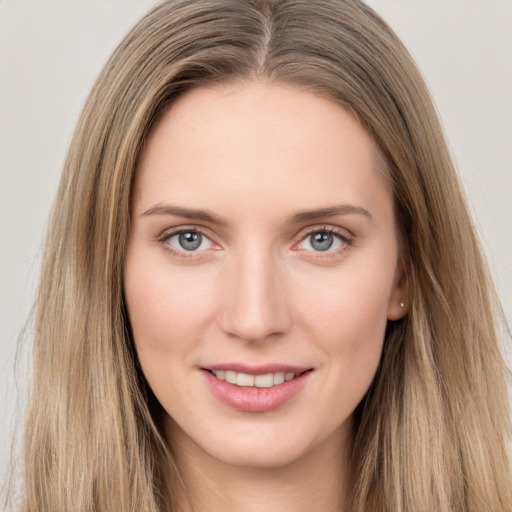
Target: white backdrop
(52,51)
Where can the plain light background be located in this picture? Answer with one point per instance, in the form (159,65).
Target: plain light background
(52,51)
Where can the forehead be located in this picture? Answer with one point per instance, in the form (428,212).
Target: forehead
(275,144)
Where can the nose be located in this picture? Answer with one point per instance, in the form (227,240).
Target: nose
(255,300)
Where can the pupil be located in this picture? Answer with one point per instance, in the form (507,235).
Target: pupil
(190,240)
(321,241)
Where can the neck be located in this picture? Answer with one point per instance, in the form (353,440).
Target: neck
(317,480)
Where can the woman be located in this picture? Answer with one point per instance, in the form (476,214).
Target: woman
(261,286)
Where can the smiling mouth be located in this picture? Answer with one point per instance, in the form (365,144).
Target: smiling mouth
(266,380)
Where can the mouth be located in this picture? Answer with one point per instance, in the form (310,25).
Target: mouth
(262,380)
(256,389)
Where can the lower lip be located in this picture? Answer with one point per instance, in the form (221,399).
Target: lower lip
(253,399)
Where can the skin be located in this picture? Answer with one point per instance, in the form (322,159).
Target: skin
(257,291)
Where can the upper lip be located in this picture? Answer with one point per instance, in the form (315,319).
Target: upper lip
(260,369)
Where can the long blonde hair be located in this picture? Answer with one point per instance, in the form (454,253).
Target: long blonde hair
(431,433)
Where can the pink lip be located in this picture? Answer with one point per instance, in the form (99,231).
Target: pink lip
(253,399)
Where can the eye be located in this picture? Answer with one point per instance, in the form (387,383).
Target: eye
(323,240)
(189,240)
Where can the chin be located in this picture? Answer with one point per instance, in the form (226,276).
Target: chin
(260,444)
(257,456)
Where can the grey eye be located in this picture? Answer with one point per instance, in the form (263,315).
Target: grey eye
(321,241)
(190,240)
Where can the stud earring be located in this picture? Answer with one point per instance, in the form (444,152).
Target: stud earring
(402,305)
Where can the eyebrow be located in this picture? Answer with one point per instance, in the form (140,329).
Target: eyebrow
(330,211)
(187,213)
(303,216)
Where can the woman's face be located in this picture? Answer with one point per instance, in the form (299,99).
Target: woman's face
(261,271)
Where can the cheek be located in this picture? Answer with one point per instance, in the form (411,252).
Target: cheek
(168,308)
(350,302)
(168,311)
(347,320)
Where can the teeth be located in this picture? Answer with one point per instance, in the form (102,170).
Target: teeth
(267,380)
(279,378)
(231,377)
(245,380)
(264,381)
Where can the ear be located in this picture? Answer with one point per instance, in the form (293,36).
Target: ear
(399,299)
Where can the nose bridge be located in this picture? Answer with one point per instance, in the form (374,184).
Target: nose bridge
(255,306)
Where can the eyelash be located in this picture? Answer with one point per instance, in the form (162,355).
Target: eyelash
(164,240)
(341,235)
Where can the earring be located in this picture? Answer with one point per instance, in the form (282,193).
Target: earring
(402,305)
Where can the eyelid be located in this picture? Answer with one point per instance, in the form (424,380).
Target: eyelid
(171,232)
(346,237)
(342,232)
